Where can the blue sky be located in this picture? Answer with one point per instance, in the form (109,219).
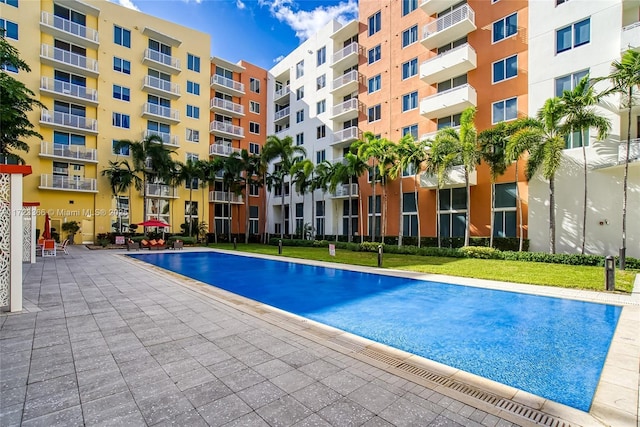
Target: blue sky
(258,31)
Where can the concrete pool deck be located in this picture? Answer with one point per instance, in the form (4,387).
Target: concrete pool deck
(107,340)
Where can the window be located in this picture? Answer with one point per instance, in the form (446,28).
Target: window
(321,156)
(321,81)
(193,135)
(452,212)
(573,36)
(254,148)
(577,139)
(193,62)
(409,6)
(254,85)
(505,27)
(505,69)
(9,67)
(320,218)
(193,111)
(193,87)
(121,36)
(122,151)
(375,23)
(11,29)
(374,218)
(410,101)
(300,139)
(254,189)
(63,138)
(409,215)
(504,110)
(504,216)
(121,65)
(254,219)
(191,212)
(299,93)
(162,48)
(375,83)
(121,93)
(569,82)
(299,116)
(120,120)
(449,121)
(223,72)
(254,107)
(13,3)
(321,106)
(410,36)
(410,68)
(321,56)
(452,83)
(299,218)
(374,113)
(254,127)
(412,130)
(222,215)
(299,69)
(321,131)
(346,210)
(374,54)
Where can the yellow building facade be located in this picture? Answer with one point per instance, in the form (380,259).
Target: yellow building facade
(107,73)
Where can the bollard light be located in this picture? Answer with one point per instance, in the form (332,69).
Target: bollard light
(235,243)
(280,247)
(610,273)
(623,257)
(380,256)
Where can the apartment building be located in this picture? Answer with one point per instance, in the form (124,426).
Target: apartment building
(573,39)
(106,73)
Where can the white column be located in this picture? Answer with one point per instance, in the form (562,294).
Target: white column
(16,227)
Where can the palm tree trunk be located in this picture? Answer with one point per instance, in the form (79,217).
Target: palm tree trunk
(467,221)
(144,202)
(552,216)
(400,213)
(372,224)
(350,225)
(282,210)
(625,183)
(313,211)
(493,212)
(190,208)
(519,207)
(438,216)
(585,200)
(291,218)
(229,212)
(415,193)
(246,209)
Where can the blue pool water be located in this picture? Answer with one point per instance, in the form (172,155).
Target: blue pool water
(550,347)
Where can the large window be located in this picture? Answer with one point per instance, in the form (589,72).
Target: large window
(254,220)
(321,56)
(299,116)
(13,3)
(353,209)
(121,65)
(300,219)
(409,215)
(569,82)
(63,138)
(410,68)
(319,218)
(254,127)
(452,212)
(193,87)
(120,120)
(254,148)
(505,27)
(577,139)
(410,36)
(321,156)
(321,132)
(122,93)
(121,36)
(10,28)
(299,93)
(321,106)
(375,23)
(412,130)
(504,216)
(504,110)
(321,81)
(193,62)
(221,218)
(299,138)
(374,218)
(119,151)
(573,35)
(374,113)
(505,69)
(254,85)
(193,111)
(409,6)
(374,54)
(449,121)
(374,83)
(193,135)
(410,101)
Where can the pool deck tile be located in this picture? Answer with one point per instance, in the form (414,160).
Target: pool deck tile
(106,340)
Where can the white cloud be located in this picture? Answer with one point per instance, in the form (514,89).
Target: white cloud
(125,3)
(278,59)
(307,23)
(240,5)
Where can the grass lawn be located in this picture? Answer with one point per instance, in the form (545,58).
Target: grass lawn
(535,273)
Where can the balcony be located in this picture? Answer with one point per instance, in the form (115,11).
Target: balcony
(454,179)
(630,37)
(449,64)
(66,121)
(431,7)
(432,135)
(224,197)
(227,107)
(278,95)
(346,83)
(68,183)
(68,61)
(447,28)
(155,111)
(161,61)
(222,150)
(347,57)
(160,190)
(346,110)
(342,191)
(160,87)
(226,130)
(346,136)
(167,138)
(227,85)
(77,153)
(68,91)
(68,30)
(449,102)
(282,114)
(339,160)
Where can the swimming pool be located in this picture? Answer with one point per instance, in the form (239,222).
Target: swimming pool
(551,347)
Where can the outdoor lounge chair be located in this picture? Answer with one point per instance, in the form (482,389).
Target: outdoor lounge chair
(157,245)
(63,246)
(49,248)
(177,244)
(133,246)
(145,244)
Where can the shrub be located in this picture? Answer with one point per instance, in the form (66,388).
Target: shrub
(185,239)
(480,252)
(370,246)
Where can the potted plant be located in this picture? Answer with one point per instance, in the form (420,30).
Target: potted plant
(71,228)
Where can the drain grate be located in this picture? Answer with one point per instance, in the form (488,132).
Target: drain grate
(347,344)
(531,414)
(380,357)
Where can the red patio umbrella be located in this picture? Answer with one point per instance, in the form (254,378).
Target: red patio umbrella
(46,234)
(154,223)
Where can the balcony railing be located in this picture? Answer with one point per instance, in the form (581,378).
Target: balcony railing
(159,110)
(455,178)
(69,120)
(448,64)
(161,84)
(353,48)
(346,134)
(222,150)
(161,58)
(160,190)
(167,138)
(281,114)
(343,190)
(69,58)
(634,151)
(450,101)
(630,37)
(72,152)
(224,196)
(228,128)
(351,76)
(227,82)
(345,107)
(224,104)
(283,91)
(460,15)
(69,27)
(68,183)
(68,89)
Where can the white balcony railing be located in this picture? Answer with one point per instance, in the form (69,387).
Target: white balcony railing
(449,64)
(69,27)
(630,37)
(228,128)
(227,105)
(454,178)
(160,190)
(343,190)
(346,134)
(634,151)
(283,91)
(450,101)
(353,48)
(161,58)
(345,107)
(161,84)
(224,196)
(227,82)
(69,183)
(159,110)
(69,120)
(72,152)
(456,16)
(222,150)
(351,76)
(282,113)
(167,138)
(339,160)
(69,58)
(68,89)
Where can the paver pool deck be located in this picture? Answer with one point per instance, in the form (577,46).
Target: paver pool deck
(107,340)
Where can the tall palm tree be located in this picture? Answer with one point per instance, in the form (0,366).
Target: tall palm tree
(286,152)
(443,156)
(347,172)
(323,176)
(251,168)
(579,116)
(232,181)
(190,172)
(174,180)
(301,174)
(543,138)
(121,178)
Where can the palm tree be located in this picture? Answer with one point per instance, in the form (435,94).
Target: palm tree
(174,180)
(351,169)
(284,150)
(323,176)
(543,138)
(579,116)
(251,167)
(443,155)
(190,173)
(121,179)
(301,174)
(232,181)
